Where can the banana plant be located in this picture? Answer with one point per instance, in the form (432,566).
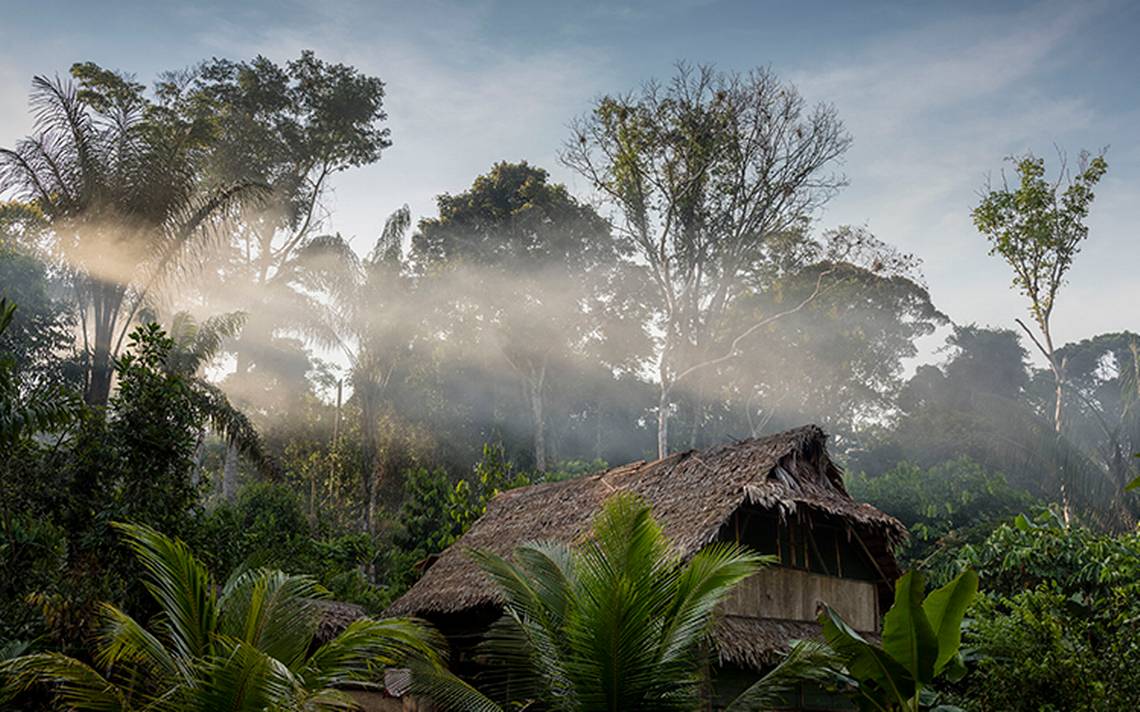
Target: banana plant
(920,643)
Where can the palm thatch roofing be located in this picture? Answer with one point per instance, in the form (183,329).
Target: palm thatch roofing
(334,617)
(694,495)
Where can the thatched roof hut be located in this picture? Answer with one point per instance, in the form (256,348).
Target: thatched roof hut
(695,496)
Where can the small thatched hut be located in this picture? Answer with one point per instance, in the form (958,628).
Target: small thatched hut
(781,495)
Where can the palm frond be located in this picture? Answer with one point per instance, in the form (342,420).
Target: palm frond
(188,226)
(273,612)
(124,640)
(180,585)
(390,245)
(233,425)
(805,661)
(704,582)
(242,678)
(448,692)
(74,684)
(367,645)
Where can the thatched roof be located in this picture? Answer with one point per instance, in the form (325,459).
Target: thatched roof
(759,642)
(693,494)
(334,618)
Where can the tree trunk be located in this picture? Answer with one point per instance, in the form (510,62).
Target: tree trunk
(99,384)
(1058,424)
(1058,400)
(537,412)
(230,474)
(368,452)
(199,459)
(663,422)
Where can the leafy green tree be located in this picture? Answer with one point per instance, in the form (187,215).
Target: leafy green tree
(426,526)
(292,128)
(983,403)
(839,361)
(248,644)
(117,177)
(616,623)
(1038,228)
(266,526)
(493,474)
(376,323)
(705,172)
(547,279)
(1103,381)
(41,336)
(193,345)
(25,412)
(1031,654)
(920,643)
(943,507)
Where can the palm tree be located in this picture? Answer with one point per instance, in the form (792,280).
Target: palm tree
(248,645)
(619,623)
(118,179)
(195,344)
(371,322)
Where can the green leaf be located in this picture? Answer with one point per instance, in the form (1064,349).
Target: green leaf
(956,669)
(945,608)
(907,634)
(871,666)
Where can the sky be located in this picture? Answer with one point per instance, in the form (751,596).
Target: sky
(934,94)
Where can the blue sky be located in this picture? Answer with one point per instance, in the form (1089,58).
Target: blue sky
(934,94)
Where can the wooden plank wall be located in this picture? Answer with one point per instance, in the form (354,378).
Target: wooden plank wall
(791,594)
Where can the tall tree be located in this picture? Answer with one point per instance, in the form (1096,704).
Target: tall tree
(541,270)
(840,360)
(703,172)
(117,176)
(375,319)
(1103,376)
(1037,227)
(293,128)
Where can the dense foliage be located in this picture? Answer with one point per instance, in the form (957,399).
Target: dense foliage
(1055,626)
(943,507)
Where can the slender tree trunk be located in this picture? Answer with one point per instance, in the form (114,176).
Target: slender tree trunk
(538,414)
(230,474)
(1058,400)
(663,421)
(698,413)
(1058,422)
(368,452)
(199,459)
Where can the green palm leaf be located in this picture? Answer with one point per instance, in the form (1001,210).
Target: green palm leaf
(617,622)
(179,584)
(75,684)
